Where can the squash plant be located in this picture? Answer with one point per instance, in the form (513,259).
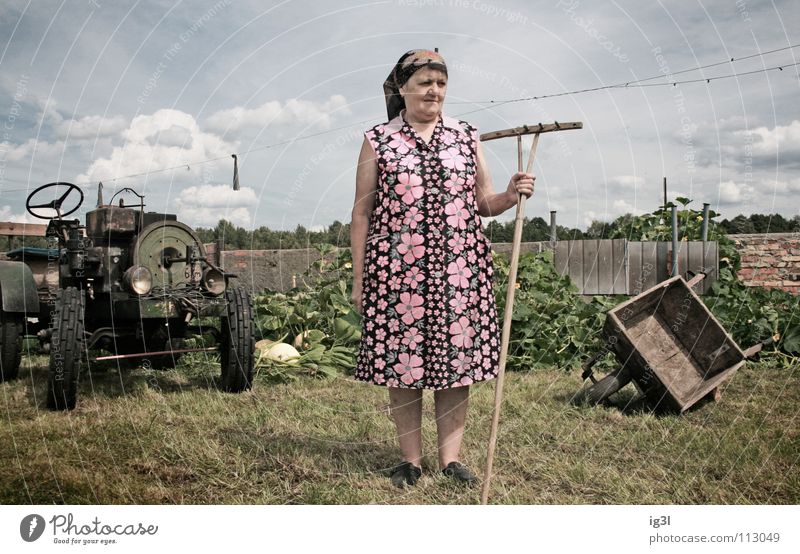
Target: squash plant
(320,313)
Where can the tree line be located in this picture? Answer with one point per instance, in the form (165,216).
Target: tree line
(533,229)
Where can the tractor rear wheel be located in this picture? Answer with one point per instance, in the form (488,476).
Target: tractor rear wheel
(237,342)
(66,349)
(10,345)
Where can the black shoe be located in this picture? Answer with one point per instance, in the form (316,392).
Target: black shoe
(459,472)
(405,474)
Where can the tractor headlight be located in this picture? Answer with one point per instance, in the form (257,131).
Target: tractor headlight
(139,279)
(213,281)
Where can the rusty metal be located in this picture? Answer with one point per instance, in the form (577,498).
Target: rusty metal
(110,220)
(160,353)
(13,229)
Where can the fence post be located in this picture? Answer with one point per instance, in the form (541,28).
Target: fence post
(705,221)
(553,229)
(674,271)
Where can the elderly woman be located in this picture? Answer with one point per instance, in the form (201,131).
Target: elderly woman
(422,266)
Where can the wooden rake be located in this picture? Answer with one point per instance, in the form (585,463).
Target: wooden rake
(518,132)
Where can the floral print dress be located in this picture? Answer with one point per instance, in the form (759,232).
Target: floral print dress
(430,319)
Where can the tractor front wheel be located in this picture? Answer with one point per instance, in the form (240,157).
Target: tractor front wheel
(237,342)
(66,349)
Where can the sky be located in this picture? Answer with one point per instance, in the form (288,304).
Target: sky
(143,94)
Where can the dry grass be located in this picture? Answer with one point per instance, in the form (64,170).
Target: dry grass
(144,436)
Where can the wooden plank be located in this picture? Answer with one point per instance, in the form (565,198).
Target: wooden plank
(663,265)
(11,229)
(561,257)
(695,258)
(683,258)
(620,265)
(531,129)
(590,283)
(605,267)
(711,263)
(635,280)
(695,263)
(649,265)
(576,264)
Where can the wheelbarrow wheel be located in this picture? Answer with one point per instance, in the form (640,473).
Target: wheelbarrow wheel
(608,385)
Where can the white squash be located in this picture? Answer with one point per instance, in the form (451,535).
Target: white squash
(282,352)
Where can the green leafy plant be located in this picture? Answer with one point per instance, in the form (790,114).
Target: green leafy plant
(552,326)
(321,314)
(750,314)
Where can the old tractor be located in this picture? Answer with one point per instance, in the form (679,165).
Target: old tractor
(135,284)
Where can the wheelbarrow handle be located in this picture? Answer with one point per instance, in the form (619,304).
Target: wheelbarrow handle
(589,364)
(696,279)
(756,348)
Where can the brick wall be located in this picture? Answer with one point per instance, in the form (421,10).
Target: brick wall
(770,260)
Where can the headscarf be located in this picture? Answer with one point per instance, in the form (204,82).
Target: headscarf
(405,67)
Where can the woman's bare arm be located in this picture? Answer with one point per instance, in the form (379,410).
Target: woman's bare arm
(366,185)
(491,203)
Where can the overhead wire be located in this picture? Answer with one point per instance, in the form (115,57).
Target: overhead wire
(638,83)
(645,79)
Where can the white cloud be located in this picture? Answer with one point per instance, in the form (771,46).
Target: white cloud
(302,112)
(733,193)
(7,214)
(90,127)
(732,123)
(621,207)
(792,185)
(176,135)
(205,205)
(42,148)
(625,182)
(782,138)
(166,138)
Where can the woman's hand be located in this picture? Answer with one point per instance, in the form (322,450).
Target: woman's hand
(355,297)
(520,183)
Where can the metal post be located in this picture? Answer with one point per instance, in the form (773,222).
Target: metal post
(674,271)
(705,221)
(553,228)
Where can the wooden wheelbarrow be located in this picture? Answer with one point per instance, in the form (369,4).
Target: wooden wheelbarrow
(670,345)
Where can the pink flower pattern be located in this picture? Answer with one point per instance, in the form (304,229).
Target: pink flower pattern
(458,214)
(410,187)
(411,247)
(430,318)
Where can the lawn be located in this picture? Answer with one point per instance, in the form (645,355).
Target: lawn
(150,437)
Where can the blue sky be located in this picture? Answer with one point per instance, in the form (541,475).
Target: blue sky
(93,90)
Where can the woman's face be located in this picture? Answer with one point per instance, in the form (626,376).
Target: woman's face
(424,93)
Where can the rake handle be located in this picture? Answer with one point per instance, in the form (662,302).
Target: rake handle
(510,289)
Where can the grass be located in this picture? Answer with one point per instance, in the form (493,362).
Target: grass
(151,437)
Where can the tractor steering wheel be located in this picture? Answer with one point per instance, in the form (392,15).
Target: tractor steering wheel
(54,204)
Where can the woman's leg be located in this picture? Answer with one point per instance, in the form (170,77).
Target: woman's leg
(451,414)
(406,409)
